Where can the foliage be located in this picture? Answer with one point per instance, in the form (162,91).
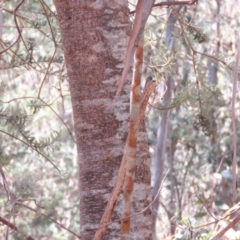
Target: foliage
(37,149)
(199,144)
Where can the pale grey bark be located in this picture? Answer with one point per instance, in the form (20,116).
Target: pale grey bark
(212,71)
(161,147)
(94,37)
(163,125)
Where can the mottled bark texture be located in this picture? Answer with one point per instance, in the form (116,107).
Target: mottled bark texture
(131,151)
(94,38)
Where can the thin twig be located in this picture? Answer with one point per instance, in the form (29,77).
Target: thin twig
(12,226)
(205,206)
(225,229)
(149,88)
(167,4)
(54,51)
(19,31)
(198,84)
(5,184)
(33,148)
(47,105)
(144,210)
(51,219)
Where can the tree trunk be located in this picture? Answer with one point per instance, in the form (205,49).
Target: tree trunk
(162,134)
(94,38)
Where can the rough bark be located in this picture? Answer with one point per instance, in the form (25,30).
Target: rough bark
(94,38)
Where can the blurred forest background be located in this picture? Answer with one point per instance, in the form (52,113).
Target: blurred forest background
(38,162)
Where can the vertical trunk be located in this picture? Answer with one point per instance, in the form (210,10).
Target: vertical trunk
(161,146)
(94,37)
(163,126)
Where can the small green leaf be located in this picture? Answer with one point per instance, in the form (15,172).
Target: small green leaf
(200,215)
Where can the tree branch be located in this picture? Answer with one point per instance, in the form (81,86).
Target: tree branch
(12,226)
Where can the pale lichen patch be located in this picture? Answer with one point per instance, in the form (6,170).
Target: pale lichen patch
(98,47)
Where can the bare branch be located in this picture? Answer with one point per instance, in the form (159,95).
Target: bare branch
(12,226)
(225,229)
(143,10)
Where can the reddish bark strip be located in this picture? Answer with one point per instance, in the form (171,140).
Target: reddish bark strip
(112,201)
(105,221)
(132,141)
(143,9)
